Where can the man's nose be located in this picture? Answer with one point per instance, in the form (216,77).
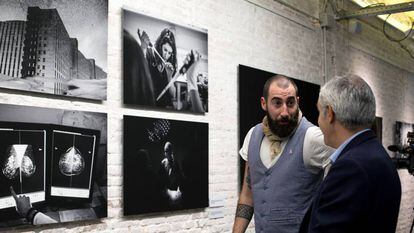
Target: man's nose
(284,111)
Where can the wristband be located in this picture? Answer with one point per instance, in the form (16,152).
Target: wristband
(31,214)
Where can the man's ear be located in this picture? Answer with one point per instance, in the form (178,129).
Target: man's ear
(297,100)
(330,114)
(263,103)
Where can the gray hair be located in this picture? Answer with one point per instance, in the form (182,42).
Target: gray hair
(351,99)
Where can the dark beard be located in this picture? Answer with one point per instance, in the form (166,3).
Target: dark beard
(283,130)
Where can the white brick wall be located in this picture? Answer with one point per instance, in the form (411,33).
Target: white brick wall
(277,39)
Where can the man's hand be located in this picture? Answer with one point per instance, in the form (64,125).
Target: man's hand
(23,204)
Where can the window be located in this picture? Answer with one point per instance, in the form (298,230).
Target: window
(44,59)
(44,52)
(43,67)
(43,74)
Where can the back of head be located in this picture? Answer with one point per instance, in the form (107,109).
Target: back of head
(351,99)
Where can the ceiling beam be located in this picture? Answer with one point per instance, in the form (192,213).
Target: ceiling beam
(377,10)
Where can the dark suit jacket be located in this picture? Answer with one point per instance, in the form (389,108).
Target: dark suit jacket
(361,192)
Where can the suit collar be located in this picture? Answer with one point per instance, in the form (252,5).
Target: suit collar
(361,138)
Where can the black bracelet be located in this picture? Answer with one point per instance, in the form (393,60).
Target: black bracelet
(31,214)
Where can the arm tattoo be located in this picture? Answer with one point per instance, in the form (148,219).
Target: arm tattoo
(248,181)
(244,211)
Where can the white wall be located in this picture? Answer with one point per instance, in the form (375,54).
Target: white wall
(277,39)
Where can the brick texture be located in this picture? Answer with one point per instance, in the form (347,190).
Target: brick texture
(263,34)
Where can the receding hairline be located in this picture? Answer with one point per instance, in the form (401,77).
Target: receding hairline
(281,81)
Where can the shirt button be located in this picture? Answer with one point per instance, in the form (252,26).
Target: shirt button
(263,201)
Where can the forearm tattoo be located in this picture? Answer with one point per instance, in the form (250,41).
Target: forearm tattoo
(244,211)
(248,181)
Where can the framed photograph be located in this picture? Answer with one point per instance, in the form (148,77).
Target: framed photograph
(56,157)
(165,65)
(54,47)
(165,165)
(401,131)
(251,82)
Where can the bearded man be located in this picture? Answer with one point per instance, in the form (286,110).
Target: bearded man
(285,158)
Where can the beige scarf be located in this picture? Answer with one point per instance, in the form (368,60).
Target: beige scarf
(275,141)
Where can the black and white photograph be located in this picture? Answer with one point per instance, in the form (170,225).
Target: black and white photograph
(22,163)
(251,82)
(165,165)
(401,133)
(165,65)
(72,163)
(54,47)
(54,160)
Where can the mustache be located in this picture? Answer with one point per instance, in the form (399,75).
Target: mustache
(285,118)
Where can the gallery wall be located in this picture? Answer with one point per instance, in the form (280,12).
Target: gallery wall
(263,34)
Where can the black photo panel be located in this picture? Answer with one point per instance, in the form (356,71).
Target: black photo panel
(165,165)
(251,82)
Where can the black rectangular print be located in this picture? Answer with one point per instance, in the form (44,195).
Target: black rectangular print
(165,165)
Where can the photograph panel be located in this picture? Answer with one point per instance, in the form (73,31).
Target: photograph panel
(57,156)
(165,165)
(165,65)
(48,47)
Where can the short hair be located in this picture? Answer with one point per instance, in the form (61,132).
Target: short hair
(282,82)
(351,99)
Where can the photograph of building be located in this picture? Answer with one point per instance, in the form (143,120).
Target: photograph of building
(41,51)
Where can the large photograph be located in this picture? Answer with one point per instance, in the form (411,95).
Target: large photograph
(401,132)
(165,65)
(54,47)
(57,158)
(165,165)
(251,82)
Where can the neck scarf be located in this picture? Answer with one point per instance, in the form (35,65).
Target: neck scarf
(276,141)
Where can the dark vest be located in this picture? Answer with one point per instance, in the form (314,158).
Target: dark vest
(282,193)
